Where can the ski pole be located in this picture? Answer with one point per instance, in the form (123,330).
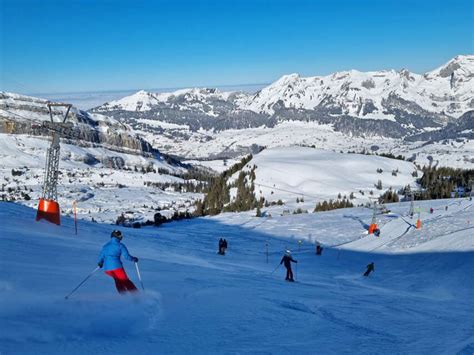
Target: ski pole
(275,269)
(139,276)
(87,278)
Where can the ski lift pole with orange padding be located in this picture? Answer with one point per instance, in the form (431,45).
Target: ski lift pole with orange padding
(49,210)
(372,228)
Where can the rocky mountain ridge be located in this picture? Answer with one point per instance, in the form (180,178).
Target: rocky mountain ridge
(21,114)
(388,103)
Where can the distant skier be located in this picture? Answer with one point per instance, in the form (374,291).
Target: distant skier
(287,260)
(431,210)
(446,208)
(110,259)
(370,268)
(221,247)
(319,249)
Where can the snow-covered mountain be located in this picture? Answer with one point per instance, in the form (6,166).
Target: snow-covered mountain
(199,99)
(444,92)
(407,102)
(195,109)
(338,111)
(20,114)
(392,113)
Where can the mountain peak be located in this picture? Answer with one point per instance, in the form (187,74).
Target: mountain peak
(461,64)
(288,79)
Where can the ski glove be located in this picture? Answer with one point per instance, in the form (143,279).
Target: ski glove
(101,263)
(135,259)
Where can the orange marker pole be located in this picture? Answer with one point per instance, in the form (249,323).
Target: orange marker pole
(418,222)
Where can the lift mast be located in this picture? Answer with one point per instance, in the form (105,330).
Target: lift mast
(48,207)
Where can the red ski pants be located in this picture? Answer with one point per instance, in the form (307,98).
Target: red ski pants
(122,282)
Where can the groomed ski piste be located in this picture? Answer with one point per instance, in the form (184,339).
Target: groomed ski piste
(419,300)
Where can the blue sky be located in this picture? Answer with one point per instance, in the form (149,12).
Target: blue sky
(74,46)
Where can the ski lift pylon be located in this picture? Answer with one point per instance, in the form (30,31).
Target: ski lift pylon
(48,206)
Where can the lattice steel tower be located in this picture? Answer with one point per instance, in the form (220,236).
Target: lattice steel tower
(373,225)
(48,206)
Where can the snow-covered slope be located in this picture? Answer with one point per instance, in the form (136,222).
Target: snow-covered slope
(315,175)
(417,301)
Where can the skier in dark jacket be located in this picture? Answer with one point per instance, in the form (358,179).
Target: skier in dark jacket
(319,249)
(287,260)
(110,259)
(221,247)
(370,268)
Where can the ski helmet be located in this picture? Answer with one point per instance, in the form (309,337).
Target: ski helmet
(117,234)
(288,252)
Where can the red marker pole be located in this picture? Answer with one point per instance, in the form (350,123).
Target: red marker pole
(74,205)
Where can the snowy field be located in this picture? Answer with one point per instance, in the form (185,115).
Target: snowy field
(316,175)
(417,301)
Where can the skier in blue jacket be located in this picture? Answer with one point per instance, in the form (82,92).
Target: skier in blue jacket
(110,259)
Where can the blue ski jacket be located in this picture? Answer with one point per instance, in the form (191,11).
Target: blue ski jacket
(111,252)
